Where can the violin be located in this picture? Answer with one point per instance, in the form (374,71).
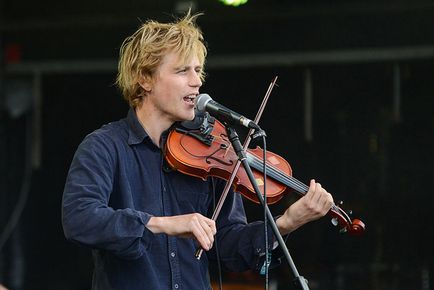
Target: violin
(207,151)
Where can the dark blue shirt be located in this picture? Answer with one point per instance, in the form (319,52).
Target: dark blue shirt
(116,182)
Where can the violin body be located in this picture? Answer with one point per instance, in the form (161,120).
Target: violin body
(192,157)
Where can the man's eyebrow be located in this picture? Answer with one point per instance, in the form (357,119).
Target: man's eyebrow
(188,67)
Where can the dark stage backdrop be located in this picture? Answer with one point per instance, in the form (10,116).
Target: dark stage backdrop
(381,168)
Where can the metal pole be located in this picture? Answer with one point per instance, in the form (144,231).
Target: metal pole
(3,142)
(308,102)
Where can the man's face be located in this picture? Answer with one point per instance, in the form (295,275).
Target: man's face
(174,88)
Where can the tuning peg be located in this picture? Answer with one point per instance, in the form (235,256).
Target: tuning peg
(334,221)
(340,202)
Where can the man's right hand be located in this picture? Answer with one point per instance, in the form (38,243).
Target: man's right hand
(193,225)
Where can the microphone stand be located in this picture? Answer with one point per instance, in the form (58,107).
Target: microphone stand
(299,281)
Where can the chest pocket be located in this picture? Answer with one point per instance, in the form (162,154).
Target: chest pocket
(191,194)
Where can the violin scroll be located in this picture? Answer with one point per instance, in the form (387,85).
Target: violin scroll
(341,219)
(357,227)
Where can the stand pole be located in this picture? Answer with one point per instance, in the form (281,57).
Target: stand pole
(299,282)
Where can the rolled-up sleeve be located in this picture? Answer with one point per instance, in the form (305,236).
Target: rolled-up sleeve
(87,217)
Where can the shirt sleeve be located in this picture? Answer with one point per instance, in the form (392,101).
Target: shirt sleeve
(241,245)
(86,216)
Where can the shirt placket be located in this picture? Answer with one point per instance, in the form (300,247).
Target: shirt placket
(174,264)
(172,249)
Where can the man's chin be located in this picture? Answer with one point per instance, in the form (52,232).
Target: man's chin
(187,117)
(191,116)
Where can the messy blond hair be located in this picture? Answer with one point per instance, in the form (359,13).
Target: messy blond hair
(142,52)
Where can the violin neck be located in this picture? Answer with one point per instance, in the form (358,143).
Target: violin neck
(277,174)
(289,181)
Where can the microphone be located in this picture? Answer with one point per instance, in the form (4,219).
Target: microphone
(204,103)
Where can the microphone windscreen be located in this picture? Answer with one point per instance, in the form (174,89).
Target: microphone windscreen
(201,102)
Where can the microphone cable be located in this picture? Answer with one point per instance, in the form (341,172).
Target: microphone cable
(267,254)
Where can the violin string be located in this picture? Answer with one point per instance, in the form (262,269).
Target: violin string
(278,175)
(286,179)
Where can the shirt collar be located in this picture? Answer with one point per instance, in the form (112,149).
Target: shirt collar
(136,133)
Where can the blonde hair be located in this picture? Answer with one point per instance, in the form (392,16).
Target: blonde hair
(142,52)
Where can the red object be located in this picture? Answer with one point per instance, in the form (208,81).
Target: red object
(12,53)
(192,157)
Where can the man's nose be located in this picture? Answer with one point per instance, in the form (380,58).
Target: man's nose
(195,80)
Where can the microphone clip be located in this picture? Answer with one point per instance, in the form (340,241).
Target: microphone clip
(257,139)
(258,133)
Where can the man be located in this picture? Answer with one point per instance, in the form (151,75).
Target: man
(143,221)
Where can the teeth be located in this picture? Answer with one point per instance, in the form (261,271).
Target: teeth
(190,98)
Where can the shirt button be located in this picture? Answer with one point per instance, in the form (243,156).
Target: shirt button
(172,254)
(176,286)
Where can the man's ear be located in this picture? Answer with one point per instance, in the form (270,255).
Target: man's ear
(145,81)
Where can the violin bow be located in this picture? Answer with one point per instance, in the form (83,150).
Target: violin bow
(229,182)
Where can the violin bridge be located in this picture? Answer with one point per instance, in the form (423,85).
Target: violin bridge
(259,181)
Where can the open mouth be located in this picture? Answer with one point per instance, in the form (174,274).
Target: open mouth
(189,99)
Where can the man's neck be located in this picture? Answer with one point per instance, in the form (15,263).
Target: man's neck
(152,123)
